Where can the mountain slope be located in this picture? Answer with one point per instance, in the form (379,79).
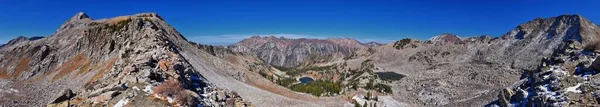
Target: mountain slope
(294,52)
(567,78)
(473,72)
(101,62)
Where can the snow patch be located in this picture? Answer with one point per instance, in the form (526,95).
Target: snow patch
(136,88)
(170,100)
(14,90)
(574,88)
(148,89)
(121,103)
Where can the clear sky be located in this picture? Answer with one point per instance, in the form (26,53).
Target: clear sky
(226,22)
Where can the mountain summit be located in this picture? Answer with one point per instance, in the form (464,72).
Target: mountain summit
(446,38)
(563,27)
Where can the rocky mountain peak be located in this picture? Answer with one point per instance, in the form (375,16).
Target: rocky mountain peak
(79,16)
(445,38)
(562,28)
(106,59)
(16,40)
(77,20)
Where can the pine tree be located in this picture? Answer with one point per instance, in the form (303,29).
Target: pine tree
(356,103)
(376,98)
(368,97)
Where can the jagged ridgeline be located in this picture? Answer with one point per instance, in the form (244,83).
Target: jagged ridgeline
(125,60)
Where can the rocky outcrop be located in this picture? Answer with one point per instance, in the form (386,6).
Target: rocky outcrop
(406,43)
(106,61)
(564,79)
(564,27)
(483,63)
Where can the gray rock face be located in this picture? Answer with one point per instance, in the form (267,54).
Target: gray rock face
(294,52)
(448,70)
(564,79)
(531,41)
(472,71)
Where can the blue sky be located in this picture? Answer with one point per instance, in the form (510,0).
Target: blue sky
(226,22)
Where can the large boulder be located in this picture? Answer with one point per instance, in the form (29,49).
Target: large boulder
(505,96)
(64,96)
(596,64)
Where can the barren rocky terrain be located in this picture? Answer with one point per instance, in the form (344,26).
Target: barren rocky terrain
(140,60)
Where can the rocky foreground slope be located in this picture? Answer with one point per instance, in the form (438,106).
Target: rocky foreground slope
(136,60)
(448,70)
(567,78)
(472,71)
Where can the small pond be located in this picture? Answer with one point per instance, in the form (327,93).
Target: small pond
(305,79)
(390,76)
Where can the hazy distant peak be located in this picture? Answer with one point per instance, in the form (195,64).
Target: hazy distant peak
(445,38)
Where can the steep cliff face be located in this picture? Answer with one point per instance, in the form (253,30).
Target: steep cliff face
(293,52)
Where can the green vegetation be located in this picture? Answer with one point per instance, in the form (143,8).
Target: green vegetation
(368,95)
(319,87)
(315,68)
(269,77)
(298,71)
(356,104)
(286,82)
(367,65)
(119,25)
(94,23)
(282,68)
(376,98)
(383,88)
(293,73)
